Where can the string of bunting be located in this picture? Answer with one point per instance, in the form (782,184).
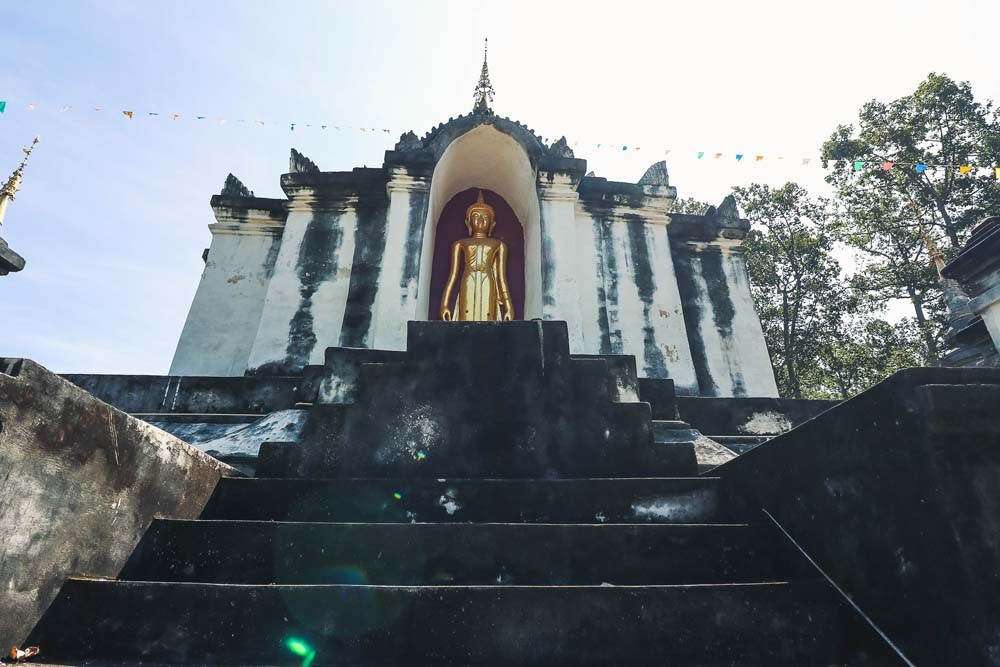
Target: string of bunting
(857,165)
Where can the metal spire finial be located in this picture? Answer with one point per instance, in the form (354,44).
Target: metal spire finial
(484,89)
(13,183)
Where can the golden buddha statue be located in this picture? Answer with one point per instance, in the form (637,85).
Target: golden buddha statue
(482,289)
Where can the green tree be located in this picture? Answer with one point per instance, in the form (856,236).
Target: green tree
(941,125)
(892,260)
(688,205)
(794,277)
(891,213)
(864,352)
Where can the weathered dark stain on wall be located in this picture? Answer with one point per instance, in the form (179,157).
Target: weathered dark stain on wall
(414,238)
(271,258)
(723,309)
(549,263)
(317,263)
(607,296)
(654,364)
(369,247)
(684,269)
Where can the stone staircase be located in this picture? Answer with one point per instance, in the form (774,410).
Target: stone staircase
(400,555)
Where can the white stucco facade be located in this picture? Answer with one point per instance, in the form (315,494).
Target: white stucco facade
(350,263)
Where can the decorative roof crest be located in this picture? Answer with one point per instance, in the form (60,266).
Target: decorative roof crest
(234,188)
(300,164)
(484,89)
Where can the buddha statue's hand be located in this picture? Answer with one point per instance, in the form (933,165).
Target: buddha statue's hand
(507,317)
(446,314)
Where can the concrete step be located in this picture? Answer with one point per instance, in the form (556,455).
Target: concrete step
(652,500)
(770,624)
(268,552)
(741,444)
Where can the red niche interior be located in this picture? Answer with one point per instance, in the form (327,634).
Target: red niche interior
(451,227)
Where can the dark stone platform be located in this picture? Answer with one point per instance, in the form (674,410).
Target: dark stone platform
(482,399)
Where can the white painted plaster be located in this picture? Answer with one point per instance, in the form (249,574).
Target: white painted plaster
(221,326)
(667,313)
(744,353)
(558,225)
(987,306)
(396,301)
(747,349)
(587,282)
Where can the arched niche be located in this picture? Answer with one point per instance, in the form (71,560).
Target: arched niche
(451,227)
(491,160)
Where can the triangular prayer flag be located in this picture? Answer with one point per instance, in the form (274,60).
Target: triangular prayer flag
(153,113)
(858,165)
(666,152)
(624,148)
(636,148)
(718,155)
(805,160)
(31,106)
(222,121)
(758,158)
(64,109)
(701,154)
(739,156)
(964,169)
(322,127)
(127,113)
(920,168)
(175,116)
(598,145)
(3,105)
(97,108)
(293,127)
(886,166)
(997,172)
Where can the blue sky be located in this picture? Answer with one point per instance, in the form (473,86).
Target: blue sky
(112,214)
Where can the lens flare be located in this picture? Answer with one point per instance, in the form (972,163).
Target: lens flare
(397,495)
(302,650)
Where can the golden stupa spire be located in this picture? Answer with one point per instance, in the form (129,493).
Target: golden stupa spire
(13,183)
(484,89)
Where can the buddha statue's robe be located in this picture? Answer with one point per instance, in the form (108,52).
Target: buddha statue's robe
(482,288)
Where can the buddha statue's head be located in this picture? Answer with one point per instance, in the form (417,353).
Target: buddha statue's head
(480,219)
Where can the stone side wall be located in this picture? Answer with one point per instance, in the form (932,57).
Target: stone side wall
(81,482)
(893,494)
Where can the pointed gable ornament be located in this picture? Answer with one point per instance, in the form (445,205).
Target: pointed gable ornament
(656,175)
(300,164)
(234,188)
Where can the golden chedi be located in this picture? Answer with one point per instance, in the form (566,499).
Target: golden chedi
(482,287)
